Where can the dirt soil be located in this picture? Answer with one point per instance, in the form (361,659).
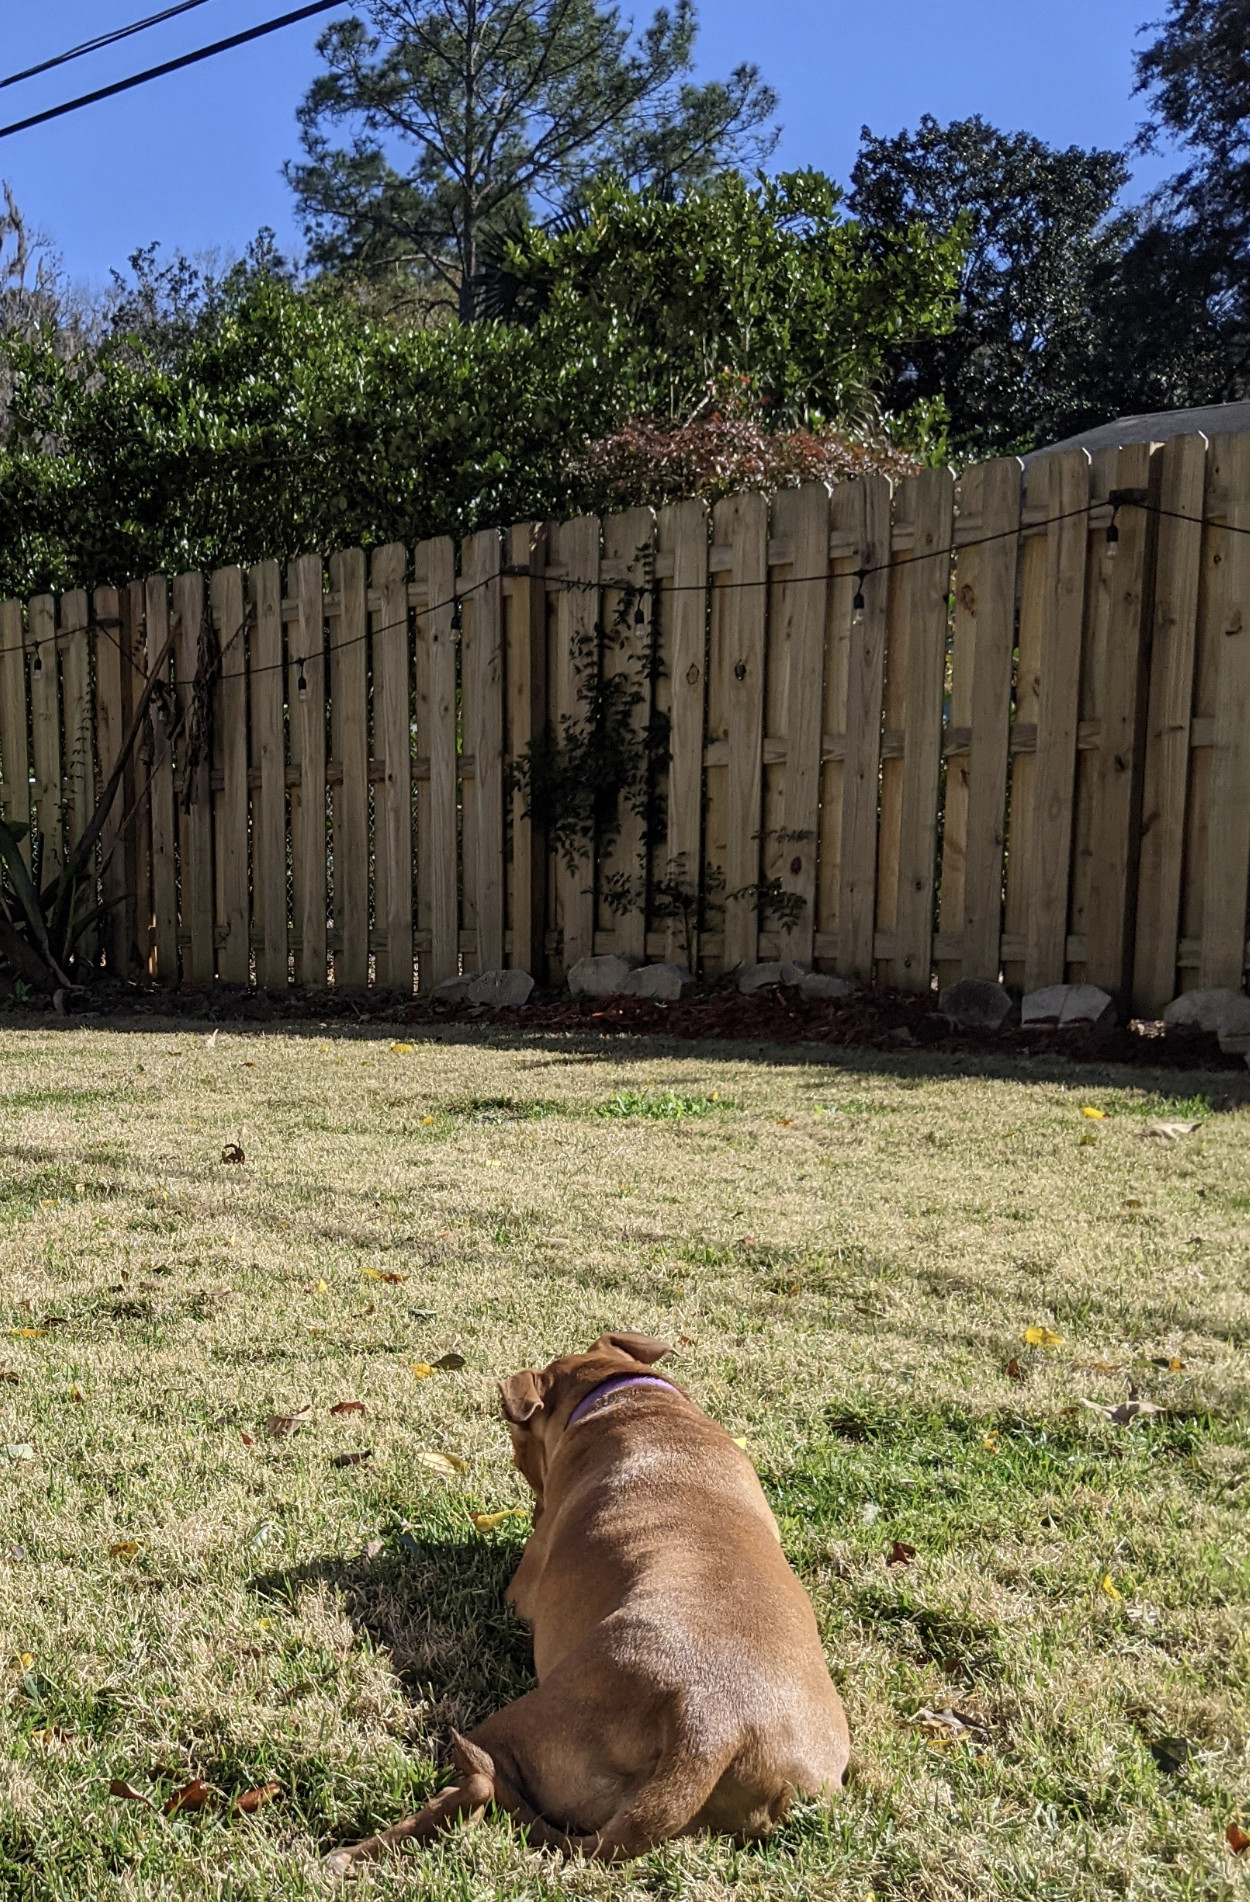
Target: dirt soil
(869,1020)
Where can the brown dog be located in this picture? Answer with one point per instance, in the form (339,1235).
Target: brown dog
(681,1683)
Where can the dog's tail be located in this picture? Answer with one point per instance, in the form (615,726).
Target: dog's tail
(684,1779)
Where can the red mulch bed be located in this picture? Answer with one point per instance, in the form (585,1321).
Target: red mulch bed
(890,1021)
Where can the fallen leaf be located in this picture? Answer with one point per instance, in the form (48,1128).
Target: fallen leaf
(1109,1588)
(53,1733)
(422,1369)
(444,1234)
(953,1723)
(441,1462)
(76,1393)
(233,1152)
(20,1450)
(1088,1138)
(1176,1365)
(1237,1839)
(27,1333)
(785,1122)
(193,1796)
(124,1549)
(1132,1202)
(741,1441)
(1125,1413)
(1014,1371)
(322,1287)
(426,1121)
(373,1549)
(900,1553)
(1171,1131)
(452,1362)
(403,1049)
(279,1425)
(1042,1337)
(990,1443)
(348,1406)
(384,1274)
(126,1791)
(21,1661)
(488,1521)
(685,1340)
(1095,1115)
(352,1459)
(7,1373)
(246,1438)
(1097,1367)
(251,1800)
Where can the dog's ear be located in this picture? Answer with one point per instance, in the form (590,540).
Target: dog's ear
(637,1346)
(521,1396)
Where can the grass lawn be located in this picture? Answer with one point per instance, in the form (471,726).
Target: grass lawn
(847,1251)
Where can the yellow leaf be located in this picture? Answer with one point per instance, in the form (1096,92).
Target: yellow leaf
(27,1333)
(22,1661)
(740,1442)
(990,1442)
(1110,1589)
(322,1287)
(422,1369)
(426,1121)
(403,1049)
(1175,1366)
(1095,1115)
(1042,1337)
(487,1521)
(441,1462)
(124,1549)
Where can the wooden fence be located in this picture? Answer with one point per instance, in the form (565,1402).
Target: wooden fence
(993,725)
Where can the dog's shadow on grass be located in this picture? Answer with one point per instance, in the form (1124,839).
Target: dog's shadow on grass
(437,1608)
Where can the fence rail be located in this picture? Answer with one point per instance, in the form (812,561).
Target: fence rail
(993,725)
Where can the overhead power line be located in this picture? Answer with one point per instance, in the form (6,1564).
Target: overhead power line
(101,40)
(169,66)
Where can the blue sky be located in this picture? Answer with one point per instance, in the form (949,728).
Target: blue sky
(195,159)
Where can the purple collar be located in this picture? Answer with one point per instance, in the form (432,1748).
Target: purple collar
(614,1384)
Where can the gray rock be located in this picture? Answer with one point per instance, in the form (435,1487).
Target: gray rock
(1226,1013)
(1065,1004)
(976,1004)
(822,984)
(502,990)
(664,982)
(794,970)
(598,977)
(454,990)
(758,977)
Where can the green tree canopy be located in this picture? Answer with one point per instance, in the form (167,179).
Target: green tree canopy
(461,113)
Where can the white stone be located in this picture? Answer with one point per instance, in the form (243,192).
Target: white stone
(974,1003)
(664,982)
(758,977)
(453,990)
(821,984)
(1065,1004)
(502,990)
(598,977)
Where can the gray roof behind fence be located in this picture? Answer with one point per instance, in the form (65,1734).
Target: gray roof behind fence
(1216,419)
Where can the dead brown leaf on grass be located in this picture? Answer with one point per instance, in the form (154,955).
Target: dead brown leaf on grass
(441,1462)
(233,1152)
(452,1362)
(125,1549)
(348,1406)
(384,1274)
(193,1796)
(1237,1839)
(127,1791)
(252,1800)
(1014,1370)
(1125,1413)
(279,1425)
(949,1725)
(352,1459)
(900,1553)
(7,1373)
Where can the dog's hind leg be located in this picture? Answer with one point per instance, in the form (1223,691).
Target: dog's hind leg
(463,1802)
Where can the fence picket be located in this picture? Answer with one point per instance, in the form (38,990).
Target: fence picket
(349,747)
(1222,953)
(162,794)
(234,959)
(79,750)
(392,730)
(45,727)
(306,670)
(798,619)
(525,674)
(195,810)
(736,663)
(14,750)
(861,742)
(682,538)
(628,549)
(481,665)
(575,547)
(269,857)
(437,827)
(113,701)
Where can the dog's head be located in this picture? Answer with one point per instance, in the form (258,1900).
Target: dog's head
(537,1405)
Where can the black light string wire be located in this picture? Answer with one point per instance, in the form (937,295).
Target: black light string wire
(858,575)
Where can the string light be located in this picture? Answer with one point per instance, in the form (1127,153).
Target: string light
(857,600)
(37,664)
(301,685)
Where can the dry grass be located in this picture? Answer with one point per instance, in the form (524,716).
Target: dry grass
(849,1251)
